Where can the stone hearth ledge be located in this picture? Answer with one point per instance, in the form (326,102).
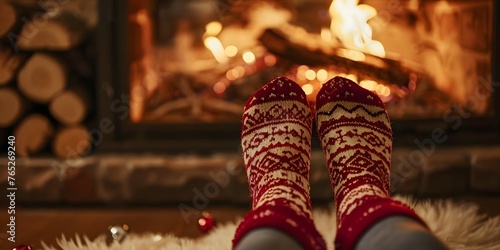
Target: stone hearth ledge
(197,180)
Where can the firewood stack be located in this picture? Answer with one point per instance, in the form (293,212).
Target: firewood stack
(47,75)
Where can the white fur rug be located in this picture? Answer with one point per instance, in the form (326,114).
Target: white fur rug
(459,225)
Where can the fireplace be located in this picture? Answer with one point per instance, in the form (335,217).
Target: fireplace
(174,75)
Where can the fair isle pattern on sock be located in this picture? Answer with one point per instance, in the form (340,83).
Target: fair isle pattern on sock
(356,137)
(276,143)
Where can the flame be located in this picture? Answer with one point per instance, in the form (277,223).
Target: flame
(350,25)
(326,35)
(215,46)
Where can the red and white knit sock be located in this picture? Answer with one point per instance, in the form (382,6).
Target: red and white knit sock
(356,137)
(276,142)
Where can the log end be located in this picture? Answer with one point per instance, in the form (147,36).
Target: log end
(68,108)
(72,142)
(32,134)
(10,107)
(48,37)
(8,17)
(42,77)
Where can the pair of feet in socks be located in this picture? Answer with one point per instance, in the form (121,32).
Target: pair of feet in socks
(356,137)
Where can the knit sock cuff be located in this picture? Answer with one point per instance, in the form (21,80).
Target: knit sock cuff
(363,217)
(284,219)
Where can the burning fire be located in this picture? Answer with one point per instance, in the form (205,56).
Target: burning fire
(212,43)
(350,25)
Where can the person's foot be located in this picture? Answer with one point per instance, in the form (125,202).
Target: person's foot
(276,143)
(356,137)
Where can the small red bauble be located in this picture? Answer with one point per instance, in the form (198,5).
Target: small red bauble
(206,222)
(22,247)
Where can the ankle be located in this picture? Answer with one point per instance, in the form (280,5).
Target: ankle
(399,232)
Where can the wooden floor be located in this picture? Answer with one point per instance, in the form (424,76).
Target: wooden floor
(35,224)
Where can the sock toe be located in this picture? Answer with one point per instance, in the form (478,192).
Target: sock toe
(278,101)
(343,89)
(279,89)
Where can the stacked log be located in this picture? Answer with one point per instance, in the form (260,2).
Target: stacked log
(45,95)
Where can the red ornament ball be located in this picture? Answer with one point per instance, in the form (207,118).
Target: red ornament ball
(206,222)
(22,247)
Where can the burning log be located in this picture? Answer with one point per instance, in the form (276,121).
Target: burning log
(298,51)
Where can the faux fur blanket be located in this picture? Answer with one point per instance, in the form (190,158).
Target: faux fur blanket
(458,225)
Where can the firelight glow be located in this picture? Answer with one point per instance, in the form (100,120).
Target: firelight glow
(213,28)
(240,70)
(382,90)
(219,87)
(215,46)
(231,51)
(379,89)
(322,75)
(270,60)
(232,74)
(310,75)
(350,25)
(248,57)
(308,88)
(352,54)
(368,84)
(326,35)
(352,77)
